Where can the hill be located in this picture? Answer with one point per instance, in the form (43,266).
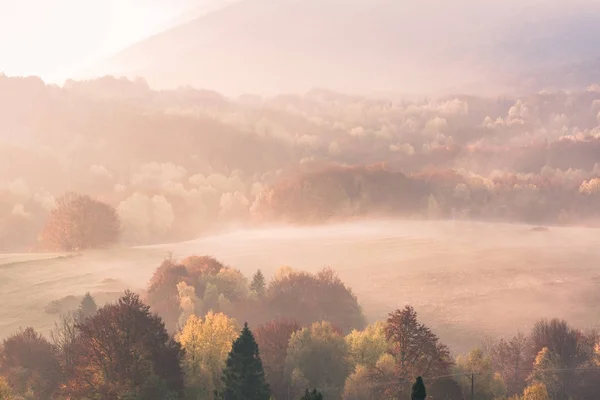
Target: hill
(274,46)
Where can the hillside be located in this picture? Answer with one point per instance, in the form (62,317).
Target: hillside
(274,46)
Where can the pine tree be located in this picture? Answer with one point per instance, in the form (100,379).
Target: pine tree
(314,395)
(258,283)
(243,376)
(87,308)
(418,390)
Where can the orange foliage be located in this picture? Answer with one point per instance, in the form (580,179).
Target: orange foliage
(78,222)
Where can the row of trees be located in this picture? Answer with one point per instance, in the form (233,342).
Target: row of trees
(125,351)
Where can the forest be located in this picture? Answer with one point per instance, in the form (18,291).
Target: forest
(177,164)
(205,331)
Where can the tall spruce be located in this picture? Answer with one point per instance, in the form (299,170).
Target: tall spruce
(87,308)
(418,390)
(258,283)
(314,395)
(243,376)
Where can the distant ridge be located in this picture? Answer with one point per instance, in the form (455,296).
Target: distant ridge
(274,46)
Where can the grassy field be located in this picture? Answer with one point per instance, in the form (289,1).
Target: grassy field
(465,279)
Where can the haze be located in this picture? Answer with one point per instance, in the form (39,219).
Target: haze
(337,174)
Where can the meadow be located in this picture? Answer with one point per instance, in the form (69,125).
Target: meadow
(467,280)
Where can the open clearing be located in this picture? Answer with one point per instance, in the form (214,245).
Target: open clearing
(465,279)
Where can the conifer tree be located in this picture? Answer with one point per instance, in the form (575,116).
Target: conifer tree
(314,395)
(258,283)
(243,376)
(418,390)
(87,308)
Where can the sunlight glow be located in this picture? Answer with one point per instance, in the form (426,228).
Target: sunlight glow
(55,39)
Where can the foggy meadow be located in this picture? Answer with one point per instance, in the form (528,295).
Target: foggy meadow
(301,200)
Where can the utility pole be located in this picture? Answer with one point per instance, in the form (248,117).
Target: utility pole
(472,386)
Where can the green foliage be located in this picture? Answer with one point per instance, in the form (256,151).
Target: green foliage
(418,391)
(243,376)
(313,395)
(320,353)
(258,283)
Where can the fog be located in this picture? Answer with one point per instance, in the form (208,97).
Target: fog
(353,179)
(467,279)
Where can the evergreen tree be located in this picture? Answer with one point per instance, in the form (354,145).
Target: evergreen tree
(243,376)
(258,283)
(87,308)
(418,390)
(314,395)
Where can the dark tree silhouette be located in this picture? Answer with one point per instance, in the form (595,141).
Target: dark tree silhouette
(124,350)
(243,376)
(314,395)
(87,308)
(418,391)
(258,283)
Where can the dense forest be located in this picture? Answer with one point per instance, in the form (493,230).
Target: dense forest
(175,164)
(205,331)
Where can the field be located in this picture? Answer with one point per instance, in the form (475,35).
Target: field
(465,279)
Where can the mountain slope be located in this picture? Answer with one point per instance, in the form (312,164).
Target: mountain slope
(358,45)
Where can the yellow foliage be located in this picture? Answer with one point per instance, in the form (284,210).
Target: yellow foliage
(536,391)
(207,342)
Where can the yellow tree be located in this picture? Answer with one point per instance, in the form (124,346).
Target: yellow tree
(537,391)
(207,342)
(367,346)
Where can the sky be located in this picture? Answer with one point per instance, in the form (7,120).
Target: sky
(55,38)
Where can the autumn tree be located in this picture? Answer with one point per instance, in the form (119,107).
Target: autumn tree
(556,343)
(79,222)
(258,283)
(29,364)
(309,298)
(126,351)
(64,337)
(417,351)
(243,376)
(5,390)
(512,360)
(207,342)
(537,391)
(272,339)
(367,346)
(358,385)
(488,385)
(320,354)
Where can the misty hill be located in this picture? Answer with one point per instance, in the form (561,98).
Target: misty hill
(273,46)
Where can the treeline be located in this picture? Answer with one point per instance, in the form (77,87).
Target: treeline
(180,162)
(305,338)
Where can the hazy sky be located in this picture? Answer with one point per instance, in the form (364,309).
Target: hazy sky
(52,38)
(55,39)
